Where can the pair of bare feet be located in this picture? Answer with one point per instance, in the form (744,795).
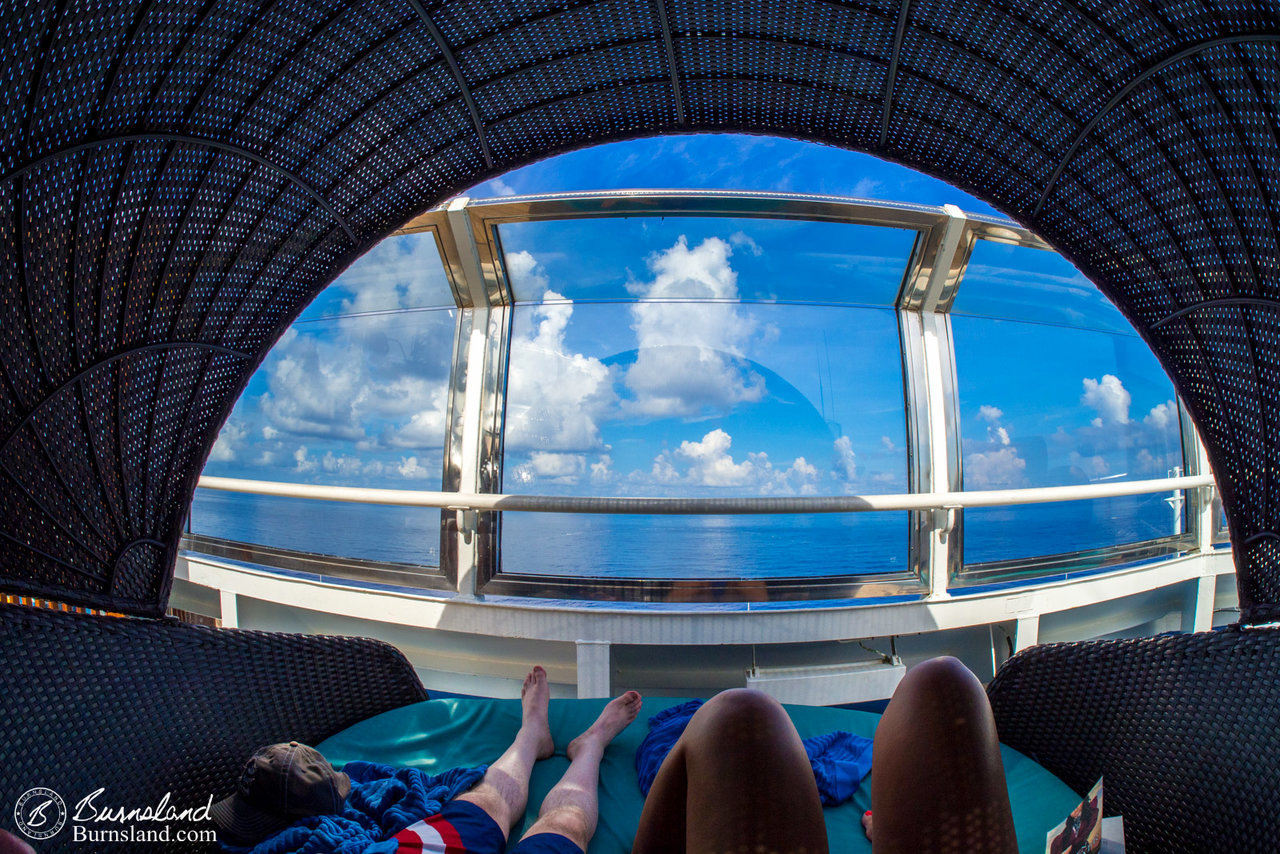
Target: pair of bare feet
(535,698)
(571,808)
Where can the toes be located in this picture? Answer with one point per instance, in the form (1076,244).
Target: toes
(631,702)
(534,677)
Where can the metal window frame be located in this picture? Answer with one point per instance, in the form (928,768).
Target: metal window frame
(467,234)
(1198,533)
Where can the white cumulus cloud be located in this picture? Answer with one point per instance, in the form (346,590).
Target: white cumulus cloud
(551,465)
(742,240)
(501,187)
(229,442)
(602,470)
(990,414)
(996,432)
(1109,398)
(303,462)
(527,276)
(994,469)
(555,398)
(691,354)
(401,272)
(425,428)
(311,391)
(412,468)
(711,464)
(1163,416)
(846,465)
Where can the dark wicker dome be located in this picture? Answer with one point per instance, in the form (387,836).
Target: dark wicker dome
(180,178)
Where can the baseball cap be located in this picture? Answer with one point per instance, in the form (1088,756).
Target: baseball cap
(280,784)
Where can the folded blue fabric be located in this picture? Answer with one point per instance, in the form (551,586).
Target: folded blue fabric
(384,800)
(839,759)
(665,728)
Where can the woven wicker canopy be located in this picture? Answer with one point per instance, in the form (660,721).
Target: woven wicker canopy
(181,178)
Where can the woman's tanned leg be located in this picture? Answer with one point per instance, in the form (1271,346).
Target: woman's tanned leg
(937,781)
(738,779)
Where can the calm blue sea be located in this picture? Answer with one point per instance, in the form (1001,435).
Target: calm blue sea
(678,546)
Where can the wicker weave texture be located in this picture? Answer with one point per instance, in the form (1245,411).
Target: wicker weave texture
(178,179)
(1184,729)
(140,707)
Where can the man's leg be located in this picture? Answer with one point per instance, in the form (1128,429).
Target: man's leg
(571,808)
(504,791)
(937,781)
(737,779)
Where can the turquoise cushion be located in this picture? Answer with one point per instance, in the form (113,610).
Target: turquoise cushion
(442,734)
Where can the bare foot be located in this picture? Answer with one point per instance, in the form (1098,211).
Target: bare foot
(866,823)
(535,694)
(614,719)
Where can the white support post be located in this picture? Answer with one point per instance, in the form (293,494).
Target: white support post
(1027,633)
(944,519)
(1207,523)
(230,609)
(938,373)
(1197,609)
(594,664)
(473,399)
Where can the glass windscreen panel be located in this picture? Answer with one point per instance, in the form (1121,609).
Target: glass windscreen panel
(354,393)
(704,358)
(1056,389)
(1221,533)
(707,259)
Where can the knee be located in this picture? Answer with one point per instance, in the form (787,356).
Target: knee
(738,708)
(939,694)
(567,821)
(489,799)
(743,701)
(10,844)
(944,675)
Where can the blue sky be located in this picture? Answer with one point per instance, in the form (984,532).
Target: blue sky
(692,356)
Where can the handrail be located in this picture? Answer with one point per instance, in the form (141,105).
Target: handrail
(705,506)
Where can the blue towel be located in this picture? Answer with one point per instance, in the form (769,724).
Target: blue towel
(665,729)
(384,800)
(840,759)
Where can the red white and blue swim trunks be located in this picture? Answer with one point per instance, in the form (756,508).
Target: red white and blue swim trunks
(461,827)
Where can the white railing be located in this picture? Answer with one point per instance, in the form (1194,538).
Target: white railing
(706,506)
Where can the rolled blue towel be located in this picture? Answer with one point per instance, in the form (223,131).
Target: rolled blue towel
(840,760)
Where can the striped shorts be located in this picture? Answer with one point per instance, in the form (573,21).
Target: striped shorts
(461,827)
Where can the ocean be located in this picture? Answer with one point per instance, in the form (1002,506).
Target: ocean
(678,546)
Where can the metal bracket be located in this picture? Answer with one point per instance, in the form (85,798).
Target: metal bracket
(468,521)
(944,520)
